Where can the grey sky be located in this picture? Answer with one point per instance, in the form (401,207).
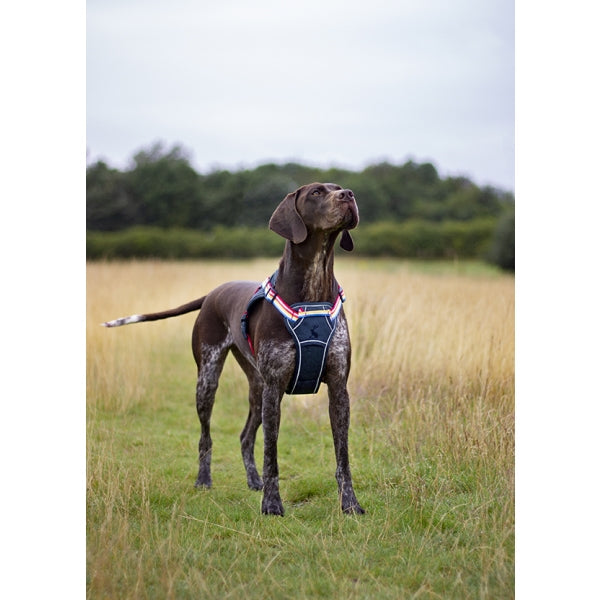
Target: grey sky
(322,82)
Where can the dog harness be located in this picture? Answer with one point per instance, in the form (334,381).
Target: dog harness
(311,325)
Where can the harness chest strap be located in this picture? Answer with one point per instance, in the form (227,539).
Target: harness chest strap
(311,325)
(303,310)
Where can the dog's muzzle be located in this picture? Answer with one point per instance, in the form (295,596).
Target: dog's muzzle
(347,197)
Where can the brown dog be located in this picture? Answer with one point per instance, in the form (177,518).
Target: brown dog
(310,219)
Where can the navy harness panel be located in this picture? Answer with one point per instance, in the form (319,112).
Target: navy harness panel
(311,325)
(311,334)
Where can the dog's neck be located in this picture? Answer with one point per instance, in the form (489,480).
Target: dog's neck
(306,270)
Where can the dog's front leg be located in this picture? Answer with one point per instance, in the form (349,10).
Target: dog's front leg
(271,417)
(339,415)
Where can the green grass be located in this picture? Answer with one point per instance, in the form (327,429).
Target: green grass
(432,463)
(437,525)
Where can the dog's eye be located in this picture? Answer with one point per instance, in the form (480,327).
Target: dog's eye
(316,193)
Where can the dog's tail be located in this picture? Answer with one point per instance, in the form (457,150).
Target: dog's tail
(173,312)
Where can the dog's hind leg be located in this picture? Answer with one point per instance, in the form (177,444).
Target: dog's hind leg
(210,359)
(248,435)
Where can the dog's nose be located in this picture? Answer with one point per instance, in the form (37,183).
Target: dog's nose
(345,195)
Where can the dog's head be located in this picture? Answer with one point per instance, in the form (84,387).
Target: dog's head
(324,207)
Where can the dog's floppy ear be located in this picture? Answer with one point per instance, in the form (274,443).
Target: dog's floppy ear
(287,222)
(346,242)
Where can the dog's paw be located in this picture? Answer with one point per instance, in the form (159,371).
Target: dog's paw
(350,505)
(255,484)
(353,509)
(272,506)
(203,484)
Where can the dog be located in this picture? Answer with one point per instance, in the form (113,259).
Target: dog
(244,318)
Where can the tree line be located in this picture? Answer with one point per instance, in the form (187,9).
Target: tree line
(161,192)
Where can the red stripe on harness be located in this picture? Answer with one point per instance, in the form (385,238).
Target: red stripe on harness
(251,346)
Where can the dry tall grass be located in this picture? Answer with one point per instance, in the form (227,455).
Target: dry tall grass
(432,386)
(435,351)
(412,333)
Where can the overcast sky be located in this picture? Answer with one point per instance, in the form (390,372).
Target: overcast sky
(324,82)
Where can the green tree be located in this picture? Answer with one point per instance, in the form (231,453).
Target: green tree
(165,188)
(161,189)
(109,207)
(502,251)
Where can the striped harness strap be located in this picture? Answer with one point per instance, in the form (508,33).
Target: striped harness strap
(311,325)
(300,311)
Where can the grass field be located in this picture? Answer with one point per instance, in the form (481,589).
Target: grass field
(431,445)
